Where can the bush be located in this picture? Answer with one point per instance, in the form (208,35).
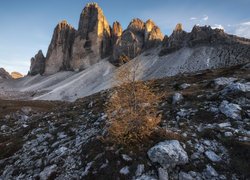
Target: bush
(132,108)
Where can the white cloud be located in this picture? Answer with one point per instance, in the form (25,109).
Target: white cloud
(243,29)
(193,18)
(217,26)
(205,18)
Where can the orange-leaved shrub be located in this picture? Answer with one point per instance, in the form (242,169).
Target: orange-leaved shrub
(132,108)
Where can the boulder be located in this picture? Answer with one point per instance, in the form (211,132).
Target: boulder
(59,53)
(230,110)
(168,154)
(212,156)
(93,38)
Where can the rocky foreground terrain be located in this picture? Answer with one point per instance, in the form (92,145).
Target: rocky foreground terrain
(204,134)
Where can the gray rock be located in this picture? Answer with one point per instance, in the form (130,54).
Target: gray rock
(231,110)
(139,170)
(228,134)
(5,128)
(177,97)
(224,125)
(212,156)
(126,157)
(185,176)
(168,154)
(236,87)
(184,86)
(48,172)
(222,81)
(210,171)
(162,174)
(125,170)
(146,177)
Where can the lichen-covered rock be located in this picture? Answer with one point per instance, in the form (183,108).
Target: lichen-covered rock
(168,154)
(59,53)
(93,38)
(37,64)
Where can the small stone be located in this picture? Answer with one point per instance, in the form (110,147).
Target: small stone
(177,98)
(210,171)
(48,172)
(162,174)
(228,134)
(223,125)
(139,170)
(126,157)
(125,170)
(184,86)
(212,156)
(185,176)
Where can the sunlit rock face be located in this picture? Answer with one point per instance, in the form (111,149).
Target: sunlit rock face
(137,37)
(153,35)
(16,75)
(93,38)
(59,52)
(37,64)
(116,31)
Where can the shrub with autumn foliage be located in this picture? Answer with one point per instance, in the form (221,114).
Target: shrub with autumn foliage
(132,108)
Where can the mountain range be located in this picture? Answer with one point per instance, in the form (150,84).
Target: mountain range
(80,62)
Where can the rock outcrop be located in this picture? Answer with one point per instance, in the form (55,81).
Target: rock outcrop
(16,75)
(93,38)
(116,31)
(206,36)
(59,52)
(37,64)
(4,74)
(136,38)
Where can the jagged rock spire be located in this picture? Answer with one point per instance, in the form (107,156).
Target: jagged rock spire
(37,64)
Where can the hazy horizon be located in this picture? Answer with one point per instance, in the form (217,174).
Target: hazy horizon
(27,26)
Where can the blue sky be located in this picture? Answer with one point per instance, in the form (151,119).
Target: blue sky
(27,25)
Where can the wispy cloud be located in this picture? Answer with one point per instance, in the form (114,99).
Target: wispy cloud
(243,29)
(205,18)
(193,18)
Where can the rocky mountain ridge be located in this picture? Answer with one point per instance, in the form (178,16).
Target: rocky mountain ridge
(95,39)
(4,74)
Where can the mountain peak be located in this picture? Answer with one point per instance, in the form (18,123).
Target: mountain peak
(178,27)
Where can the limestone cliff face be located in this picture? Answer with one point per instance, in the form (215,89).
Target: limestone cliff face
(59,52)
(228,47)
(116,32)
(93,38)
(153,35)
(136,38)
(37,64)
